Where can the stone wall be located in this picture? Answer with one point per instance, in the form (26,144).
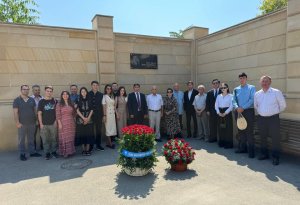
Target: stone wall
(265,45)
(45,56)
(268,44)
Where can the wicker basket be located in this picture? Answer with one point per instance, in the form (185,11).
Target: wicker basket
(137,173)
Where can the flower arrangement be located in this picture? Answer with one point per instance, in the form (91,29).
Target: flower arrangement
(137,148)
(178,152)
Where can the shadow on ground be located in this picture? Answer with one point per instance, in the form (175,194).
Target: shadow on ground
(14,170)
(134,188)
(288,170)
(180,176)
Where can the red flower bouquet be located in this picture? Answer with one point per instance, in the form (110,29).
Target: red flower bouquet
(137,148)
(178,152)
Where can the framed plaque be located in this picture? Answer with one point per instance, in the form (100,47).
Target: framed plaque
(143,61)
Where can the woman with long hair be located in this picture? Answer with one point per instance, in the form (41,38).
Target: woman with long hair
(223,108)
(109,115)
(84,122)
(171,115)
(121,109)
(65,114)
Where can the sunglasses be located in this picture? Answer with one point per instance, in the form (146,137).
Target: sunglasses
(223,88)
(169,92)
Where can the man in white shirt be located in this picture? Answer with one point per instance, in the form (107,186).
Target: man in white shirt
(155,110)
(202,121)
(269,103)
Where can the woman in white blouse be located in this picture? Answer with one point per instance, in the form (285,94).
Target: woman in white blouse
(109,116)
(223,108)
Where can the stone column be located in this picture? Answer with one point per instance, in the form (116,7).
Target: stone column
(194,33)
(293,59)
(105,48)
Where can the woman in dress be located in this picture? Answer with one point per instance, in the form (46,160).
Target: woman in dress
(171,115)
(109,115)
(84,123)
(121,109)
(65,114)
(223,108)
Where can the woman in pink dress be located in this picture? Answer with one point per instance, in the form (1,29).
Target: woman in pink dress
(65,114)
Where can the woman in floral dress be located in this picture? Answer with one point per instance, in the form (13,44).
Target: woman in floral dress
(65,114)
(171,115)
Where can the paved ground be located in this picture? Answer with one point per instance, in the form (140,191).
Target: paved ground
(217,176)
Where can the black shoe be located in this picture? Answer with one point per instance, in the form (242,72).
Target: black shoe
(158,140)
(263,157)
(275,161)
(239,151)
(23,157)
(35,155)
(87,153)
(54,155)
(48,156)
(100,148)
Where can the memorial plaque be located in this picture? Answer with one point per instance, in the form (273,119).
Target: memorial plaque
(143,61)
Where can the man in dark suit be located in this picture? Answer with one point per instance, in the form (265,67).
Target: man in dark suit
(188,99)
(96,98)
(137,106)
(211,111)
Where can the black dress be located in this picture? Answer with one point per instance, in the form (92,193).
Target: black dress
(85,132)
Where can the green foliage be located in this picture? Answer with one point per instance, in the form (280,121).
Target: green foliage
(268,6)
(19,11)
(140,141)
(178,34)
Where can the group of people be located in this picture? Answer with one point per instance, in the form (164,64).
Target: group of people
(76,119)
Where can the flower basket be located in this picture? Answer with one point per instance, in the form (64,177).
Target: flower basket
(137,153)
(179,154)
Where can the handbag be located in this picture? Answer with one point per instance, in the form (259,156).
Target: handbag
(241,122)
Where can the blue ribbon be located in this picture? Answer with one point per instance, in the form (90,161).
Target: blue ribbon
(136,154)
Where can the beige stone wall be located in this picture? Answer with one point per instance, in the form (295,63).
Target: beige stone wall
(174,61)
(45,56)
(256,47)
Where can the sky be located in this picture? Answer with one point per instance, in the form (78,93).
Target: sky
(152,17)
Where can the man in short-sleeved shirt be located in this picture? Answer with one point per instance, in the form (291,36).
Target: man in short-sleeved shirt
(25,118)
(47,121)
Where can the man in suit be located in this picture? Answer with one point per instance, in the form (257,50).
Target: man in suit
(210,110)
(188,99)
(96,98)
(137,106)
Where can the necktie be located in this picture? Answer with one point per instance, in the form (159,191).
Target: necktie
(216,93)
(138,101)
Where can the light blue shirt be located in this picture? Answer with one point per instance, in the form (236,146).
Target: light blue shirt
(178,95)
(243,96)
